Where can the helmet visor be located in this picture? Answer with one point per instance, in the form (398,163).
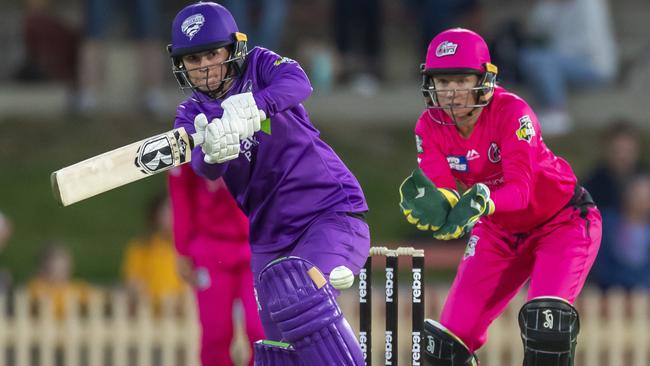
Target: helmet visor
(214,80)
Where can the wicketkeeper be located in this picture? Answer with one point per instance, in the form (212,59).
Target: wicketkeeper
(485,173)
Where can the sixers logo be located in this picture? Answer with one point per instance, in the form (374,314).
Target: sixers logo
(418,144)
(470,249)
(526,131)
(494,153)
(446,48)
(192,25)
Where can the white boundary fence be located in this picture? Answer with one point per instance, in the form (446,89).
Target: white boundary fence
(615,328)
(615,331)
(108,330)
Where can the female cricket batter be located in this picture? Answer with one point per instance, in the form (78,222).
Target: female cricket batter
(211,238)
(304,206)
(526,216)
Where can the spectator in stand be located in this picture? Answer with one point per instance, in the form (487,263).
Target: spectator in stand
(358,34)
(620,162)
(573,46)
(434,16)
(149,265)
(145,26)
(211,236)
(624,257)
(264,20)
(51,48)
(53,280)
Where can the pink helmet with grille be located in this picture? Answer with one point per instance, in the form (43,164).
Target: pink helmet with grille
(459,51)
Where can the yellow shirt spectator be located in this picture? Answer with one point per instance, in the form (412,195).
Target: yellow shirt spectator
(40,289)
(150,268)
(53,280)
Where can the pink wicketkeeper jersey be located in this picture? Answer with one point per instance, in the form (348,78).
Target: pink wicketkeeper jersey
(208,224)
(529,184)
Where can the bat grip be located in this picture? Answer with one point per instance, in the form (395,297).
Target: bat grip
(198,138)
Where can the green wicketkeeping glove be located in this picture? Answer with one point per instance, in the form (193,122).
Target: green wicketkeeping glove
(474,203)
(423,204)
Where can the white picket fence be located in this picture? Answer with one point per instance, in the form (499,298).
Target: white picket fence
(615,331)
(107,330)
(615,328)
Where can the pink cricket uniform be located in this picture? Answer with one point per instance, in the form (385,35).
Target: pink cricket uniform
(535,232)
(211,229)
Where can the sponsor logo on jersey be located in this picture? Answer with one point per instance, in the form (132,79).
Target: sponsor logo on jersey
(192,25)
(494,183)
(525,131)
(247,147)
(494,153)
(283,60)
(470,249)
(458,163)
(473,154)
(446,48)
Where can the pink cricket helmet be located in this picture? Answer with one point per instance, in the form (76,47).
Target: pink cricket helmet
(456,51)
(459,51)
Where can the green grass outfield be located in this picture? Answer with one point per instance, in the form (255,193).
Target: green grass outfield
(97,229)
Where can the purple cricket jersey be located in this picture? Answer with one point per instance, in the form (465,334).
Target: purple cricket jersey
(284,179)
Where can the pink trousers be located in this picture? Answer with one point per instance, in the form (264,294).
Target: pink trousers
(556,257)
(215,303)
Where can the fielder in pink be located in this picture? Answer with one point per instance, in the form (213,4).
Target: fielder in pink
(542,225)
(211,234)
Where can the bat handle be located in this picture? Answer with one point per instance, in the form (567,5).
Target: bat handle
(198,138)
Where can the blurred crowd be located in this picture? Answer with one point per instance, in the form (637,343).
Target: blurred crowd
(559,47)
(550,49)
(620,185)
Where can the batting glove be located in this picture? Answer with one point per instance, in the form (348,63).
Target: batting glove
(474,203)
(221,139)
(242,110)
(423,204)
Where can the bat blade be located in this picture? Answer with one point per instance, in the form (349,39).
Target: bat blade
(121,166)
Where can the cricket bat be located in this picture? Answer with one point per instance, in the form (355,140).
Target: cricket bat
(127,164)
